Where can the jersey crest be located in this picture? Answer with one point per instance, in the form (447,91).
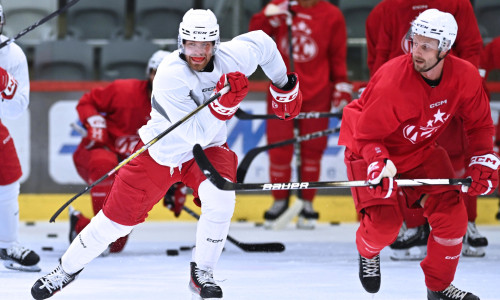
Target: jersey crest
(304,47)
(419,133)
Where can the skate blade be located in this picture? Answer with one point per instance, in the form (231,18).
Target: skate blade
(196,296)
(412,254)
(469,251)
(307,224)
(18,267)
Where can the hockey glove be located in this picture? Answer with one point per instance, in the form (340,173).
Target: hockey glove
(226,106)
(287,101)
(175,198)
(8,85)
(342,95)
(381,173)
(96,131)
(483,172)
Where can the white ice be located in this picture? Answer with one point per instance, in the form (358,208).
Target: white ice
(317,264)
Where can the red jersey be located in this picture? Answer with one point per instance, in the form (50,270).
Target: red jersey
(490,56)
(402,116)
(125,104)
(395,23)
(319,45)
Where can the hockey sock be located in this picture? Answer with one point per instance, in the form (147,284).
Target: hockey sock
(9,214)
(91,242)
(216,211)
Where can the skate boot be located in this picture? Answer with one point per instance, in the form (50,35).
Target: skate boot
(307,217)
(450,293)
(369,273)
(411,243)
(202,283)
(278,208)
(474,242)
(19,258)
(48,285)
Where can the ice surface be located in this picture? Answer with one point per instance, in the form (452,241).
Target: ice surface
(317,264)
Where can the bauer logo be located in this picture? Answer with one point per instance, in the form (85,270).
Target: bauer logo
(286,186)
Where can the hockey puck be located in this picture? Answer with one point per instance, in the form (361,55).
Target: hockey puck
(47,249)
(241,220)
(259,224)
(52,235)
(172,252)
(186,248)
(334,223)
(30,223)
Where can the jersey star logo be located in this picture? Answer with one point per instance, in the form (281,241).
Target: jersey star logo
(439,116)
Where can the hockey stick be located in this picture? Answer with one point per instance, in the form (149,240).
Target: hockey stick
(250,156)
(243,115)
(141,150)
(40,22)
(208,169)
(247,247)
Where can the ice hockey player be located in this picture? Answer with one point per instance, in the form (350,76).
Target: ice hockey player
(184,80)
(390,132)
(14,94)
(112,115)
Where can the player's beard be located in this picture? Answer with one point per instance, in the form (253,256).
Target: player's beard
(423,65)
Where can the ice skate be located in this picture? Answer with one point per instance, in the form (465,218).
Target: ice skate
(411,243)
(19,258)
(48,285)
(202,284)
(369,273)
(278,208)
(450,293)
(307,217)
(474,242)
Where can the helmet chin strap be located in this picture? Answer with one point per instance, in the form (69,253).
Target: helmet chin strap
(437,62)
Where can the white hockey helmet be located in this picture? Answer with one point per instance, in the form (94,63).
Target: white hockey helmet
(438,25)
(155,60)
(199,25)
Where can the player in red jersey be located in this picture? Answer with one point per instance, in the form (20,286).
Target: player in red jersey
(490,60)
(391,132)
(112,115)
(392,19)
(319,41)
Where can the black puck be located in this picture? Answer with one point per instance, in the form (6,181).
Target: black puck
(172,252)
(52,235)
(259,224)
(30,223)
(186,248)
(334,223)
(47,249)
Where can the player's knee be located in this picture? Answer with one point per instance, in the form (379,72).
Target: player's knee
(216,205)
(9,192)
(386,220)
(106,229)
(449,219)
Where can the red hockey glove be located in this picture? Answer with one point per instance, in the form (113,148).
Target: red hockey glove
(342,95)
(175,198)
(225,107)
(483,172)
(96,131)
(287,101)
(381,172)
(8,85)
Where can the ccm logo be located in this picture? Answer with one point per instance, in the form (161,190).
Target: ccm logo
(287,98)
(214,241)
(438,103)
(452,257)
(286,186)
(199,32)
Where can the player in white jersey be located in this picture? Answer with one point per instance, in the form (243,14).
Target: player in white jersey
(184,80)
(14,95)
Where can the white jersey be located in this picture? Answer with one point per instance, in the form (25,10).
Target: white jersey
(178,90)
(13,60)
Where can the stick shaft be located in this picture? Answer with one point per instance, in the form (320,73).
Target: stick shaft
(141,150)
(40,22)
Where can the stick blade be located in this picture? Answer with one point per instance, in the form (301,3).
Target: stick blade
(263,247)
